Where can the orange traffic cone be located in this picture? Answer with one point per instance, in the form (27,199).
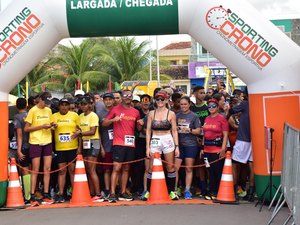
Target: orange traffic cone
(158,189)
(81,192)
(14,190)
(226,188)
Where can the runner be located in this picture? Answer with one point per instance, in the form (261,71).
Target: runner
(189,127)
(107,136)
(124,119)
(66,143)
(89,123)
(23,146)
(162,137)
(38,124)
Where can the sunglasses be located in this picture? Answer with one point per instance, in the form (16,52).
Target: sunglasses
(127,96)
(160,99)
(145,100)
(211,106)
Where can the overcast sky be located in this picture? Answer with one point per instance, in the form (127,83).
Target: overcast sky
(272,9)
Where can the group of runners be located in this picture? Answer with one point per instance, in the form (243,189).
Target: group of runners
(124,131)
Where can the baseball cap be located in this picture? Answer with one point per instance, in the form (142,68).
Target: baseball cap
(161,94)
(84,100)
(64,100)
(136,98)
(213,100)
(79,92)
(108,95)
(46,97)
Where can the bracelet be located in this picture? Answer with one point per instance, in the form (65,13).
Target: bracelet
(176,145)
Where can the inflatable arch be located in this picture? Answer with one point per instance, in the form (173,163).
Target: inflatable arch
(241,38)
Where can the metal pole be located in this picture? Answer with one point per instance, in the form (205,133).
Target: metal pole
(150,61)
(157,61)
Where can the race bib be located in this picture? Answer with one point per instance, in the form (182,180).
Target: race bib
(86,144)
(155,143)
(184,126)
(129,140)
(63,138)
(110,134)
(13,145)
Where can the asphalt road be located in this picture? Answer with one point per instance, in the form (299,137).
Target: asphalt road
(242,214)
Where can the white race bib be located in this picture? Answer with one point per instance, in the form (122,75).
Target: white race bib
(64,138)
(185,126)
(13,145)
(155,143)
(129,140)
(110,134)
(86,144)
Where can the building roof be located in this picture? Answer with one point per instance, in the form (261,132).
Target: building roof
(178,45)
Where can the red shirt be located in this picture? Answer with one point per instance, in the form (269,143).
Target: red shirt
(213,127)
(124,129)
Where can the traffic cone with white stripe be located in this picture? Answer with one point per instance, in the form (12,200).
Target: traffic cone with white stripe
(158,189)
(226,188)
(14,190)
(81,192)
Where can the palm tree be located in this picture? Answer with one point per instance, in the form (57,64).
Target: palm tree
(127,59)
(79,63)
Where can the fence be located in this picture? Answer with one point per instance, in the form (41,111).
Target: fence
(290,177)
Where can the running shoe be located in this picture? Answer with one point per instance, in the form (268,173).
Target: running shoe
(179,191)
(47,201)
(60,199)
(209,197)
(173,195)
(105,194)
(187,195)
(145,195)
(125,197)
(241,193)
(112,198)
(34,202)
(97,198)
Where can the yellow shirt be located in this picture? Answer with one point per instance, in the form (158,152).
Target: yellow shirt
(37,117)
(86,122)
(66,126)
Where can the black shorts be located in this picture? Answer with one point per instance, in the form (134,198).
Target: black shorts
(26,161)
(66,156)
(123,153)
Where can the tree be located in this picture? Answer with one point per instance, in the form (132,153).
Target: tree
(79,63)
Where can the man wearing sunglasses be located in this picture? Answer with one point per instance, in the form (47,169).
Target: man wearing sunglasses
(124,119)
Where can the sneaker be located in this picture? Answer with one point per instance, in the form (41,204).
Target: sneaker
(34,202)
(27,202)
(47,201)
(125,197)
(187,195)
(241,193)
(105,194)
(60,199)
(97,198)
(173,195)
(112,198)
(38,195)
(145,195)
(179,192)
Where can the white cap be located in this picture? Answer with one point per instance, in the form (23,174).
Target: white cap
(136,98)
(79,92)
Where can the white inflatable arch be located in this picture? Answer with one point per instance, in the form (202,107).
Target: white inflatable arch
(233,31)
